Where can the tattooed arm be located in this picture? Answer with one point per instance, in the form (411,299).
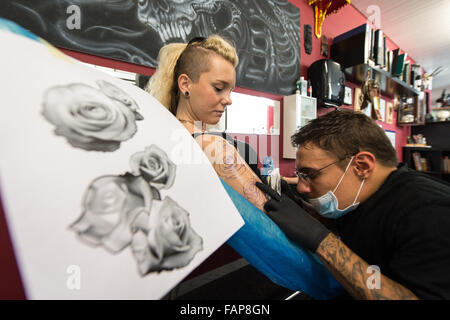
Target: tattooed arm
(230,166)
(351,271)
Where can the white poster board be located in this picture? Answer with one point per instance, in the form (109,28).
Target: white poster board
(383,110)
(106,195)
(391,135)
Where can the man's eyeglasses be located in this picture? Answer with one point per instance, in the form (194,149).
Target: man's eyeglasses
(313,173)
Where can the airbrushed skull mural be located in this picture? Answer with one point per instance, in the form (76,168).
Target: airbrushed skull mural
(170,21)
(266,33)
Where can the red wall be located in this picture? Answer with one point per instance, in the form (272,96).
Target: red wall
(335,24)
(346,19)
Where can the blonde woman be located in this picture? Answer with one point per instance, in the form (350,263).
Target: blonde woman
(194,81)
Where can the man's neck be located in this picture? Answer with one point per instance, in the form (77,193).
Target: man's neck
(376,180)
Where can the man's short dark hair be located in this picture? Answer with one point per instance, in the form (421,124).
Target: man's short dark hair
(344,133)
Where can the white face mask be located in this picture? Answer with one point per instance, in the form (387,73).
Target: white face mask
(328,205)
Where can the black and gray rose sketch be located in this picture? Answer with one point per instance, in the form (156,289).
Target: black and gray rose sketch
(128,211)
(93,119)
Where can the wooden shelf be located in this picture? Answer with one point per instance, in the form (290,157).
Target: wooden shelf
(441,108)
(418,146)
(390,86)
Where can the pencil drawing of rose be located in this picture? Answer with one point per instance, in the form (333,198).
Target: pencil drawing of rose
(126,210)
(154,165)
(168,242)
(118,94)
(91,118)
(110,205)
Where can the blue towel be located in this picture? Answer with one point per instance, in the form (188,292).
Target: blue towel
(262,243)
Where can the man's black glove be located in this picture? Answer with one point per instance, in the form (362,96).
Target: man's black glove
(290,191)
(296,223)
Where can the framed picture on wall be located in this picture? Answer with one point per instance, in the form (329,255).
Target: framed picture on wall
(389,112)
(358,100)
(368,110)
(391,135)
(348,96)
(383,109)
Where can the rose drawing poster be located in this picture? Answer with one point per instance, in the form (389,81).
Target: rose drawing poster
(105,194)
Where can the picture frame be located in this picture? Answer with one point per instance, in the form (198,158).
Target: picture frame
(391,135)
(389,112)
(348,99)
(358,99)
(383,110)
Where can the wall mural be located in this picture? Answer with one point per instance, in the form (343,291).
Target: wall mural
(266,33)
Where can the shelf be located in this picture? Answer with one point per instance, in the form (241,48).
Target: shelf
(419,148)
(389,85)
(441,108)
(433,122)
(410,124)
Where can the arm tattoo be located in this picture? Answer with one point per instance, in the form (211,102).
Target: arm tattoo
(227,162)
(230,166)
(251,192)
(351,271)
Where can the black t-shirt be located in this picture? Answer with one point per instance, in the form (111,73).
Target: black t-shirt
(404,229)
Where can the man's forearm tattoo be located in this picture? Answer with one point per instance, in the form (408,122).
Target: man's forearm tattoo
(351,271)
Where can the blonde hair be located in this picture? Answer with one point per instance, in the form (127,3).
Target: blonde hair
(192,59)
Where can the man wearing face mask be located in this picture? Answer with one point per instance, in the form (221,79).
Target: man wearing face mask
(391,235)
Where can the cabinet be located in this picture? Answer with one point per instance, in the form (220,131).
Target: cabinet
(428,160)
(411,111)
(437,135)
(298,110)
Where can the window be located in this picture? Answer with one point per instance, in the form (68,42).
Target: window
(253,115)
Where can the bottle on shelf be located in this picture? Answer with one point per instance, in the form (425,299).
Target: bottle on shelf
(309,89)
(302,86)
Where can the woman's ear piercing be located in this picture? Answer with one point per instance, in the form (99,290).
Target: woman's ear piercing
(186,94)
